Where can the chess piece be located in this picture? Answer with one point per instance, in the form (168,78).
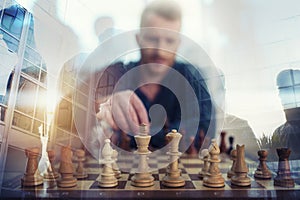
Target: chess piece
(233,155)
(80,173)
(115,166)
(223,143)
(283,178)
(231,141)
(66,169)
(107,176)
(32,175)
(214,177)
(51,173)
(173,176)
(262,171)
(240,177)
(142,177)
(205,157)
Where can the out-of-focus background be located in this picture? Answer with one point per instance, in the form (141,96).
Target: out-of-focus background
(250,41)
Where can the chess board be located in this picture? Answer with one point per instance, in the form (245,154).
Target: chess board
(88,188)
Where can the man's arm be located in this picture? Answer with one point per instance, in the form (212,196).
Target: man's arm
(123,109)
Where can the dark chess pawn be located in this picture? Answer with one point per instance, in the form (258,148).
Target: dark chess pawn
(32,176)
(223,148)
(262,171)
(233,155)
(283,178)
(231,141)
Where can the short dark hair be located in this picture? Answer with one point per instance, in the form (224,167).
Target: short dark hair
(168,9)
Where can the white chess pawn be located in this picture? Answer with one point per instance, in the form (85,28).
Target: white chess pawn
(107,176)
(204,155)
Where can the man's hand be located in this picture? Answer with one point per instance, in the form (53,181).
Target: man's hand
(124,110)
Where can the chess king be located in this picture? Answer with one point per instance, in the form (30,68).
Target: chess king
(125,109)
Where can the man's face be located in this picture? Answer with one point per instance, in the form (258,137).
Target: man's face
(159,45)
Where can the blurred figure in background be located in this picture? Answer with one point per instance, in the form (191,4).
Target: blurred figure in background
(288,134)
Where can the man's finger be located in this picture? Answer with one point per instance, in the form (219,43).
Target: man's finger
(133,120)
(139,109)
(120,118)
(109,119)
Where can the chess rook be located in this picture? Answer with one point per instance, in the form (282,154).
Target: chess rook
(66,169)
(51,173)
(214,177)
(80,172)
(283,178)
(205,157)
(32,176)
(240,177)
(142,177)
(262,171)
(173,176)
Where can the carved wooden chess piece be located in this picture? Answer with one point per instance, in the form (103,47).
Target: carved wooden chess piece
(205,157)
(214,177)
(32,176)
(51,173)
(173,177)
(80,172)
(66,169)
(233,155)
(223,143)
(262,171)
(231,141)
(283,178)
(143,176)
(107,176)
(240,177)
